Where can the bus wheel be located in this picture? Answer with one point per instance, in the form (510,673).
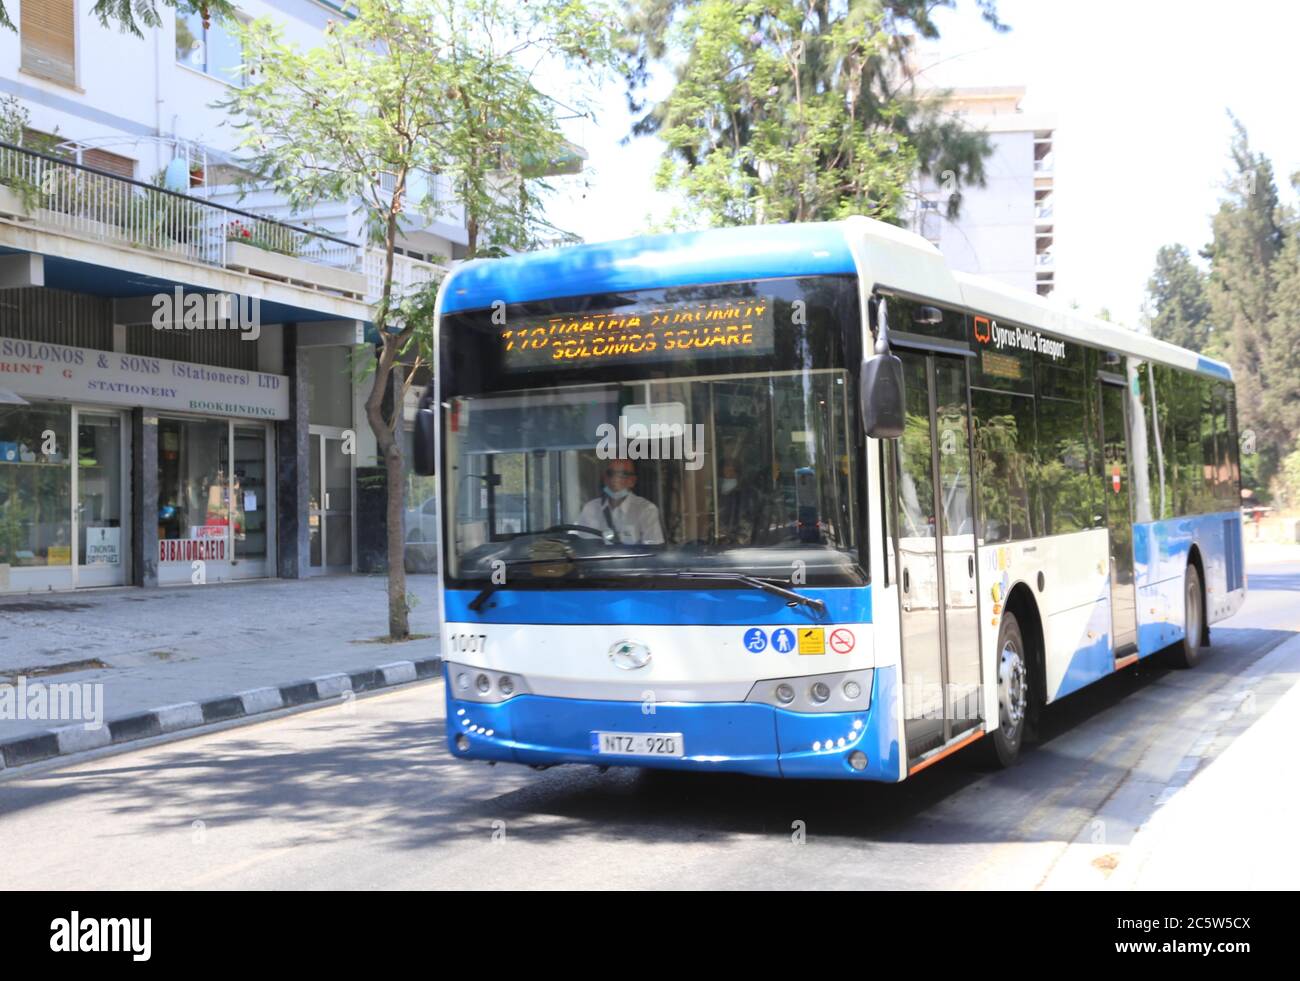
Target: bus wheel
(1001,746)
(1187,652)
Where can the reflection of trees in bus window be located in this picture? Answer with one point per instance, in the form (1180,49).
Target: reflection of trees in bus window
(1004,451)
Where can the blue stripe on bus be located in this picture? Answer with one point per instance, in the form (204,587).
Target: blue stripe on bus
(737,737)
(1215,368)
(1160,553)
(694,607)
(718,255)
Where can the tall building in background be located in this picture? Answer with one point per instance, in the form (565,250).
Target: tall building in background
(1006,229)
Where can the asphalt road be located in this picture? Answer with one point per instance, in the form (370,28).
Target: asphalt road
(362,795)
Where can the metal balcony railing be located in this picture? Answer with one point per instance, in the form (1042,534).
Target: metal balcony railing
(104,207)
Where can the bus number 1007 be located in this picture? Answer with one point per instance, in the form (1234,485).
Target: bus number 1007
(469,643)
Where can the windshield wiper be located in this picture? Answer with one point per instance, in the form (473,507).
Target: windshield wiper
(476,604)
(776,587)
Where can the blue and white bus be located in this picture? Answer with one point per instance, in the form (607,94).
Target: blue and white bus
(800,501)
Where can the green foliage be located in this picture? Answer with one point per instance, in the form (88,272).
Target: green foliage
(789,110)
(1241,289)
(14,118)
(1179,310)
(1289,477)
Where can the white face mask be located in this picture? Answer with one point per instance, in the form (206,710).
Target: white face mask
(729,484)
(617,495)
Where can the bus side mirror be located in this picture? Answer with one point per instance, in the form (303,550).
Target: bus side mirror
(881,391)
(426,430)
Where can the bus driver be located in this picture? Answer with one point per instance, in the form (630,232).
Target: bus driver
(632,519)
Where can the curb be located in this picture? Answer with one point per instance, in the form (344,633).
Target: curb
(68,740)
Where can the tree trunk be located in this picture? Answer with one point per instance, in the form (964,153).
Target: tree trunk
(399,625)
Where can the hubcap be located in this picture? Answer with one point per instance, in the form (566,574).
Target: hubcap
(1013,688)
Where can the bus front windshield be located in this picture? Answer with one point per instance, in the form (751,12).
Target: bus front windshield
(655,435)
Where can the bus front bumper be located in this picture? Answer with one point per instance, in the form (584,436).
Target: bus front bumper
(724,737)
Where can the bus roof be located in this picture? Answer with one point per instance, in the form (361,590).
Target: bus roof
(884,255)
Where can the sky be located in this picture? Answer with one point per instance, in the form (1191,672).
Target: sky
(1140,91)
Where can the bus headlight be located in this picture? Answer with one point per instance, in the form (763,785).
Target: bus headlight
(843,691)
(484,685)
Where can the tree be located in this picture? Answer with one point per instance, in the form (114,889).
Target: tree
(1247,240)
(403,90)
(1281,366)
(795,110)
(124,13)
(1178,311)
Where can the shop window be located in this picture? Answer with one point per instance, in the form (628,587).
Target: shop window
(35,485)
(193,489)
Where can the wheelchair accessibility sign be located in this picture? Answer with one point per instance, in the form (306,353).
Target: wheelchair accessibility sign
(755,641)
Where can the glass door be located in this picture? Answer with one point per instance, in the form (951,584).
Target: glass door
(1119,519)
(330,505)
(936,555)
(100,495)
(252,527)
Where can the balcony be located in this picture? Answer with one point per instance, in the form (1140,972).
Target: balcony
(59,195)
(408,274)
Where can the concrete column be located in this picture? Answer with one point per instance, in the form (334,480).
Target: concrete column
(144,497)
(293,467)
(372,495)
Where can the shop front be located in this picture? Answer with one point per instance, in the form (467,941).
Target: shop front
(107,458)
(214,500)
(63,487)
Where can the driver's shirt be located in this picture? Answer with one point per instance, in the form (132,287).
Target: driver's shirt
(635,520)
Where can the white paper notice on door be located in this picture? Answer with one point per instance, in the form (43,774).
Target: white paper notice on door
(250,500)
(103,546)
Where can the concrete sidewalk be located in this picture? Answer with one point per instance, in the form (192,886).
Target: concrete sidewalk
(186,646)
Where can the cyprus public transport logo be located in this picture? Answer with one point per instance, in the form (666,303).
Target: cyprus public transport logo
(983,329)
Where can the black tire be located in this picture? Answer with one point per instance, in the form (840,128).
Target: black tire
(1000,747)
(1187,652)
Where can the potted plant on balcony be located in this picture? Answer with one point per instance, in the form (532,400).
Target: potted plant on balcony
(267,248)
(19,196)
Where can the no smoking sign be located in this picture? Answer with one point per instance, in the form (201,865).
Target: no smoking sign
(842,641)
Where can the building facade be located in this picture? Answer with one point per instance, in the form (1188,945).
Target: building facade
(1006,229)
(182,371)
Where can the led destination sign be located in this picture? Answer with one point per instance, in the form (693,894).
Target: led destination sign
(690,329)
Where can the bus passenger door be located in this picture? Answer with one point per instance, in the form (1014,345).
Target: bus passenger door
(936,555)
(1119,518)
